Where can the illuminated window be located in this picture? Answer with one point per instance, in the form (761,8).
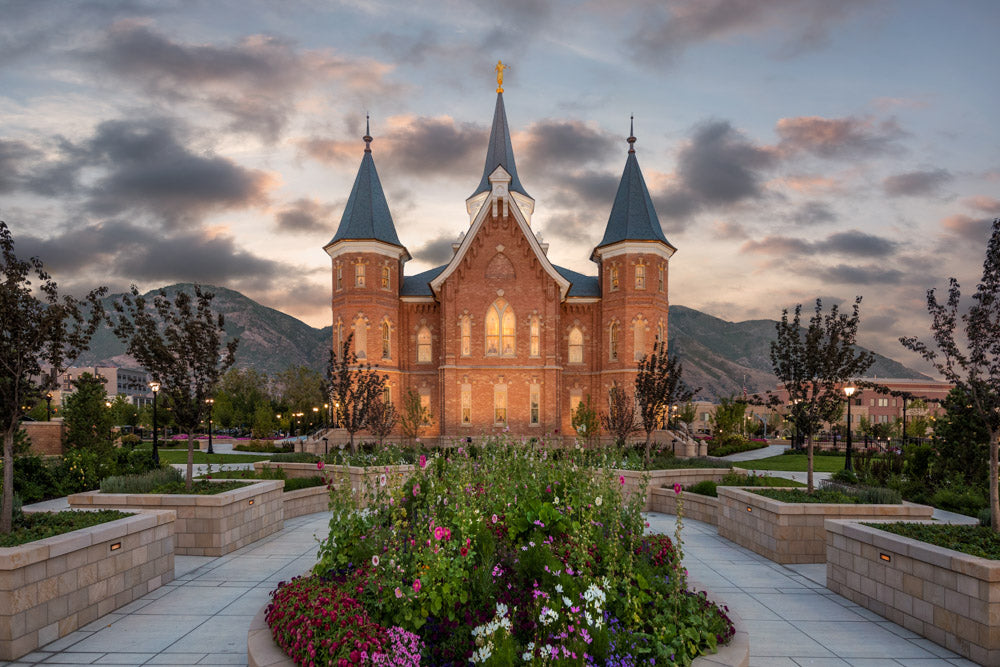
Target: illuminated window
(500,329)
(385,277)
(639,339)
(535,338)
(575,346)
(659,279)
(424,345)
(500,404)
(883,402)
(340,277)
(466,330)
(425,404)
(359,275)
(659,332)
(613,273)
(386,394)
(640,276)
(467,404)
(536,408)
(613,342)
(360,338)
(386,333)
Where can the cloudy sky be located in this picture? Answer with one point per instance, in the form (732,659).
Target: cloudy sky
(794,148)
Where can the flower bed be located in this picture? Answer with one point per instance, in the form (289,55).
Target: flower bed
(207,525)
(354,477)
(509,557)
(949,597)
(51,587)
(793,532)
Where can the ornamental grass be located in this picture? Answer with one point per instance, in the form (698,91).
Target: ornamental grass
(514,556)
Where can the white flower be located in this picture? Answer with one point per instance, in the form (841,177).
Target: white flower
(598,501)
(555,501)
(375,561)
(567,601)
(559,588)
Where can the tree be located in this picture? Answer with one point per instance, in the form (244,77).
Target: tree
(88,420)
(382,418)
(36,326)
(658,385)
(812,364)
(300,389)
(414,415)
(246,390)
(180,342)
(620,419)
(263,423)
(355,388)
(962,441)
(972,365)
(729,415)
(586,422)
(688,413)
(123,413)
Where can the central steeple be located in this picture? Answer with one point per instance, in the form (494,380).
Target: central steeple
(499,152)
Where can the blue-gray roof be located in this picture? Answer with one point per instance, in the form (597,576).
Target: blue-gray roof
(581,285)
(633,217)
(419,285)
(367,216)
(500,153)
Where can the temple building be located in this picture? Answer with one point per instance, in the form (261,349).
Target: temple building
(500,337)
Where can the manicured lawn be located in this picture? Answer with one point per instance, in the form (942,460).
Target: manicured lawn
(181,456)
(795,463)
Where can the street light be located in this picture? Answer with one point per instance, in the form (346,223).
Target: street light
(849,390)
(155,386)
(315,415)
(279,423)
(326,415)
(111,426)
(48,406)
(211,404)
(336,414)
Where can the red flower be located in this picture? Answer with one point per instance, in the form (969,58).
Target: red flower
(464,551)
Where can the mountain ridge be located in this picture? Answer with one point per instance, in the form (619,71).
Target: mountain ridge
(720,356)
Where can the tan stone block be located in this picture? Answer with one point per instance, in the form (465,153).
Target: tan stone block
(956,602)
(945,620)
(87,615)
(72,541)
(57,609)
(105,606)
(902,602)
(23,598)
(36,618)
(933,593)
(22,645)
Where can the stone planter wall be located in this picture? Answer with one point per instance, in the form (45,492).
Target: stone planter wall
(667,478)
(356,476)
(794,532)
(696,506)
(306,501)
(52,587)
(206,525)
(949,597)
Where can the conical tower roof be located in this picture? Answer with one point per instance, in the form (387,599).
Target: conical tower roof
(500,153)
(633,217)
(366,216)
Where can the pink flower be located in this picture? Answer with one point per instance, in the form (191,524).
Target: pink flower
(677,488)
(494,518)
(416,490)
(319,465)
(464,551)
(439,533)
(416,585)
(423,461)
(399,593)
(621,479)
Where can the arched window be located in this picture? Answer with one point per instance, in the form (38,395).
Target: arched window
(385,277)
(613,342)
(500,329)
(359,275)
(340,277)
(659,333)
(660,278)
(535,338)
(339,349)
(424,345)
(360,338)
(639,339)
(386,333)
(613,276)
(640,276)
(575,346)
(466,332)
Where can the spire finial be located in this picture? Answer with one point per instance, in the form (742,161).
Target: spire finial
(631,134)
(368,135)
(500,68)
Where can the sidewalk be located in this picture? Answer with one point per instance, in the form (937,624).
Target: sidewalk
(202,617)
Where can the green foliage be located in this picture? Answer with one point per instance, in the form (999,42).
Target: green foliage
(354,387)
(166,480)
(704,488)
(867,496)
(263,422)
(845,476)
(658,385)
(961,442)
(978,541)
(263,447)
(728,417)
(294,457)
(963,500)
(796,462)
(297,483)
(88,420)
(242,398)
(985,518)
(414,416)
(878,495)
(687,413)
(39,525)
(130,440)
(732,443)
(586,421)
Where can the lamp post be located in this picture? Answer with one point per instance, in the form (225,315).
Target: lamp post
(48,406)
(326,415)
(849,390)
(211,404)
(279,423)
(336,414)
(155,386)
(111,426)
(315,415)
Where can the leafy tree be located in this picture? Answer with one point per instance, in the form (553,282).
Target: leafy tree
(245,390)
(88,420)
(962,441)
(620,419)
(355,388)
(263,423)
(414,415)
(382,418)
(729,415)
(123,413)
(300,390)
(688,413)
(36,326)
(658,385)
(180,342)
(586,422)
(973,366)
(223,412)
(813,363)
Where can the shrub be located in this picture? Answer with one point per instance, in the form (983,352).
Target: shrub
(130,440)
(973,540)
(968,500)
(263,447)
(295,457)
(143,483)
(876,495)
(732,443)
(845,477)
(297,483)
(985,517)
(704,488)
(39,525)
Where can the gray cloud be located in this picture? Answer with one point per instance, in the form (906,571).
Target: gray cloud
(983,204)
(668,28)
(584,189)
(860,275)
(916,183)
(972,230)
(13,156)
(852,243)
(572,142)
(813,213)
(837,137)
(305,216)
(436,251)
(732,231)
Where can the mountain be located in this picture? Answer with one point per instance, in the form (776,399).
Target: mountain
(716,354)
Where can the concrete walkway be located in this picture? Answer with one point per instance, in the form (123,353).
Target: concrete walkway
(202,617)
(762,453)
